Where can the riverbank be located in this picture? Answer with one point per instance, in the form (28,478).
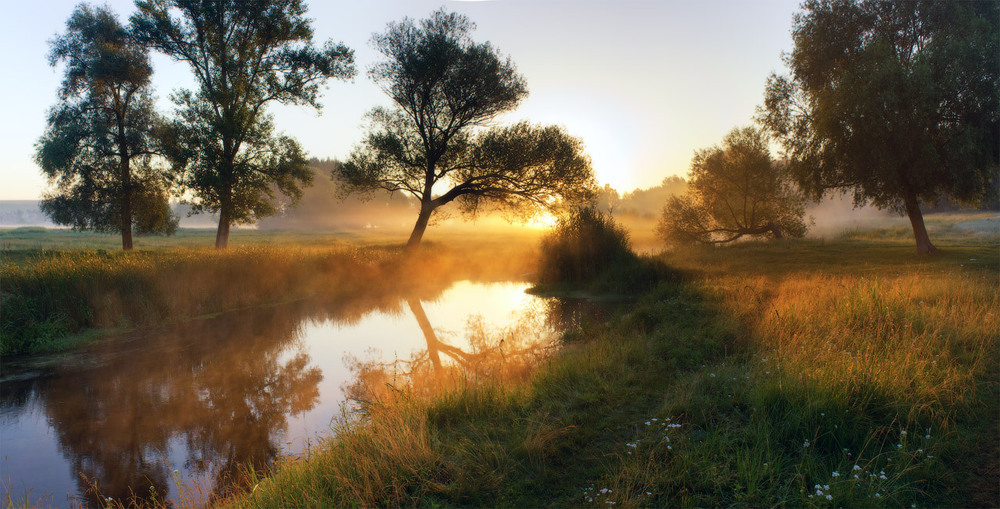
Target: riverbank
(826,373)
(55,299)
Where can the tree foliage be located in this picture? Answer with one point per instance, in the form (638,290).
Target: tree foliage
(897,102)
(734,190)
(244,55)
(433,144)
(99,148)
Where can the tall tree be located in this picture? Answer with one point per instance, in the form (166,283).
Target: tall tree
(433,145)
(98,148)
(733,191)
(896,101)
(244,55)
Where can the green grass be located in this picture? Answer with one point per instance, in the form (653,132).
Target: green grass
(761,374)
(767,375)
(55,299)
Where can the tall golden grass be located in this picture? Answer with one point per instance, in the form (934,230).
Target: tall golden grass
(772,374)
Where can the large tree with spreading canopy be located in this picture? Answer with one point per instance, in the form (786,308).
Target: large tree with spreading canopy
(245,55)
(99,149)
(438,143)
(895,102)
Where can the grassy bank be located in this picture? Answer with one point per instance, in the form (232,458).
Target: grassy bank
(828,374)
(53,299)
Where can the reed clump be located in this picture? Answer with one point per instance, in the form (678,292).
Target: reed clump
(588,248)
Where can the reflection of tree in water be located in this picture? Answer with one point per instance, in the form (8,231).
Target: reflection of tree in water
(504,354)
(222,386)
(221,389)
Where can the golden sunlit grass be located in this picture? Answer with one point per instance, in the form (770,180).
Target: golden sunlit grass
(818,373)
(50,295)
(815,373)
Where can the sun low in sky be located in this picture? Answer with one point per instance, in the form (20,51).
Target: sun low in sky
(643,83)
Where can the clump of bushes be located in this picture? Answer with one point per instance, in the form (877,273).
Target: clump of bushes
(588,248)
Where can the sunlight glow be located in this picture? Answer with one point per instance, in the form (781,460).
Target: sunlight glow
(542,221)
(606,126)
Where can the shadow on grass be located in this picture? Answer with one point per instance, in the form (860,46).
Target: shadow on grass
(705,393)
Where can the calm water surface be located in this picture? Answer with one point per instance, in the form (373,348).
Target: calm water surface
(181,410)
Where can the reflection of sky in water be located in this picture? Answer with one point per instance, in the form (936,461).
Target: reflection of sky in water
(387,336)
(48,423)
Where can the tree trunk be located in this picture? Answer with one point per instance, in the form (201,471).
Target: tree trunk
(126,212)
(924,245)
(127,222)
(418,229)
(775,231)
(222,234)
(125,170)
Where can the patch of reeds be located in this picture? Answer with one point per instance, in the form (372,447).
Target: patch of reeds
(589,248)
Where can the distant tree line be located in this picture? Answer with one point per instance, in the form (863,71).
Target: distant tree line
(325,206)
(642,203)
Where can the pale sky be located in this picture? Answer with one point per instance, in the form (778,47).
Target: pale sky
(644,83)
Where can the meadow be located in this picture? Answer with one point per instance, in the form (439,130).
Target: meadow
(838,372)
(844,372)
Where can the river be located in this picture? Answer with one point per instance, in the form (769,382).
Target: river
(180,411)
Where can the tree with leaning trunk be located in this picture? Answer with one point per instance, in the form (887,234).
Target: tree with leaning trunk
(896,102)
(734,190)
(439,144)
(245,54)
(99,148)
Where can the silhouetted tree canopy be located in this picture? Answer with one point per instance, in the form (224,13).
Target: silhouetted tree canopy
(446,89)
(244,54)
(98,148)
(733,191)
(896,101)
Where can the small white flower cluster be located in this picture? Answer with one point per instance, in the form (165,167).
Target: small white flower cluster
(822,492)
(633,445)
(589,495)
(664,424)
